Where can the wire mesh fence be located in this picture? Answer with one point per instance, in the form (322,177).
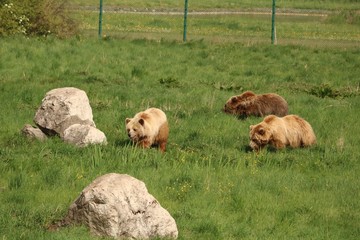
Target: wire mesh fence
(229,21)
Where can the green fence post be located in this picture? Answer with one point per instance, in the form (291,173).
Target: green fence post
(100,18)
(185,19)
(273,28)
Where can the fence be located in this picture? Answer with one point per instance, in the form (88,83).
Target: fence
(324,26)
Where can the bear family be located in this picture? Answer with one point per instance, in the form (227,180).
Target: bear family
(148,128)
(250,104)
(280,132)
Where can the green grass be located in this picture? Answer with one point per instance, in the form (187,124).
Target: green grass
(207,179)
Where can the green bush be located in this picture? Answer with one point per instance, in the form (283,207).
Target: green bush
(36,18)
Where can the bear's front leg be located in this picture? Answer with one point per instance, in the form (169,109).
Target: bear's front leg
(278,144)
(162,146)
(145,144)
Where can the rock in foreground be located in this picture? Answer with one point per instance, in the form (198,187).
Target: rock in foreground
(120,206)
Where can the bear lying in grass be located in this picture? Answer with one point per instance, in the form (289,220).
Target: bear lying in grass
(250,104)
(148,128)
(290,130)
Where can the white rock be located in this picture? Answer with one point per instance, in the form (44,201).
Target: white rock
(120,206)
(66,112)
(33,133)
(61,108)
(83,135)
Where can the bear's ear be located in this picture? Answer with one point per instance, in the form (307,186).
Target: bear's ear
(261,131)
(141,121)
(233,99)
(251,127)
(127,120)
(248,94)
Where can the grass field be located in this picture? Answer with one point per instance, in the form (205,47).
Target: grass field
(208,180)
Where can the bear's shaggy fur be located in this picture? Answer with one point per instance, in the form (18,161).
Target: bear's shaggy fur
(251,104)
(148,128)
(290,130)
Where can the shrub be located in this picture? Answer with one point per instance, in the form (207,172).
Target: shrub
(12,19)
(36,18)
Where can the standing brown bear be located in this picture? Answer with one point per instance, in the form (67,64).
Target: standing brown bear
(148,128)
(259,105)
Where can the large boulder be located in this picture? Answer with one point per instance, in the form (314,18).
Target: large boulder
(120,206)
(61,108)
(66,112)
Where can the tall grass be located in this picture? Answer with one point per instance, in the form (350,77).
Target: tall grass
(208,180)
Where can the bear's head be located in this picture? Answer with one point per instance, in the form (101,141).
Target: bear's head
(231,105)
(135,128)
(260,135)
(238,104)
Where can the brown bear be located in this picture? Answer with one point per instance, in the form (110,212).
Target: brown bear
(251,104)
(148,128)
(280,132)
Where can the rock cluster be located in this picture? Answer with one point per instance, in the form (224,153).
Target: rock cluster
(66,112)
